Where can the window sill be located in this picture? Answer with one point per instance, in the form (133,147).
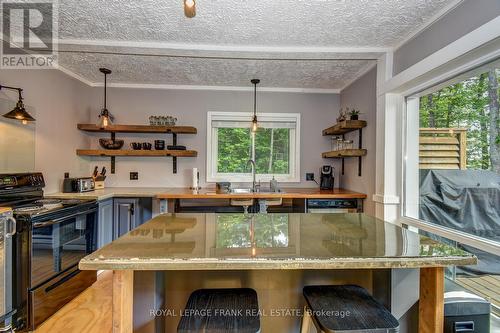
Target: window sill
(483,244)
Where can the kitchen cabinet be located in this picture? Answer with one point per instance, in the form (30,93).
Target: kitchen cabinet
(105,223)
(129,213)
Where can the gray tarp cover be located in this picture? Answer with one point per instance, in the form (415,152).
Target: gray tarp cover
(465,200)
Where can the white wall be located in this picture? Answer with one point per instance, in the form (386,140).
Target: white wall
(59,103)
(362,95)
(134,106)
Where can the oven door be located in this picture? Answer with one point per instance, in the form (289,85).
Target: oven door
(58,244)
(48,298)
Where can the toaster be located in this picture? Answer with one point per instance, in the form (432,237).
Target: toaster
(78,185)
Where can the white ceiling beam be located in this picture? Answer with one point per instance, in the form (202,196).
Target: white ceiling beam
(220,51)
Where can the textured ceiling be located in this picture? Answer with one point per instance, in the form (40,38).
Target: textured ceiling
(312,74)
(140,39)
(378,23)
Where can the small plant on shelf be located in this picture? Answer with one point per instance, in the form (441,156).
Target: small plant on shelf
(354,114)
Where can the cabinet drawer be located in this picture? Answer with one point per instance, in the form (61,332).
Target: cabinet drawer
(50,297)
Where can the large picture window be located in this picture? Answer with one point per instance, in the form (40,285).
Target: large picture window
(274,147)
(452,173)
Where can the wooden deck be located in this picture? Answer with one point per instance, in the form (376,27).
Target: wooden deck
(486,286)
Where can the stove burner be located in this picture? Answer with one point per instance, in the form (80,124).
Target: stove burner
(29,209)
(44,202)
(49,203)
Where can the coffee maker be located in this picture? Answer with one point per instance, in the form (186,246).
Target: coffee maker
(327,178)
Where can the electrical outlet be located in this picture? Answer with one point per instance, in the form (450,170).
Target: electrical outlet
(134,176)
(310,176)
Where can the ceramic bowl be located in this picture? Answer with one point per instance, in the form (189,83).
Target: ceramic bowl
(111,144)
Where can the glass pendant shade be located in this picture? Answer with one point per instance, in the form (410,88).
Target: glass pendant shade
(190,8)
(255,125)
(105,119)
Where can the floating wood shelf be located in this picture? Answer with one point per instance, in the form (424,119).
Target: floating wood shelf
(140,153)
(345,153)
(344,127)
(113,129)
(138,129)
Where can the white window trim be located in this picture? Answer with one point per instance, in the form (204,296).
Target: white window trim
(468,52)
(410,202)
(213,176)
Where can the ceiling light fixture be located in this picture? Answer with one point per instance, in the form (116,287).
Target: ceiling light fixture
(190,8)
(255,125)
(19,112)
(105,118)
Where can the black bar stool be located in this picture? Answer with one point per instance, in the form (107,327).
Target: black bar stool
(346,308)
(221,311)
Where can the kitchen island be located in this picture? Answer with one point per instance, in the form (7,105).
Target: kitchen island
(276,254)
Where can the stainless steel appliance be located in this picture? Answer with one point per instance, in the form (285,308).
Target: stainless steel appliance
(7,231)
(327,178)
(78,185)
(325,206)
(51,237)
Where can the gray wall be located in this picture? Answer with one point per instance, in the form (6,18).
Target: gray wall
(59,103)
(362,95)
(134,106)
(464,18)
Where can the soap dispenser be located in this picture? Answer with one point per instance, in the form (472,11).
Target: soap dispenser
(273,184)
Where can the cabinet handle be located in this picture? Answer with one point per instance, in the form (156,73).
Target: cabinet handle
(131,209)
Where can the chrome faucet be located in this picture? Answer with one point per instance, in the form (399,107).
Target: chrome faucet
(254,170)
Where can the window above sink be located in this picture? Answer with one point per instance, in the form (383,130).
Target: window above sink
(275,147)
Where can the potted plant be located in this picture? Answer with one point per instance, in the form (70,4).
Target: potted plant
(354,114)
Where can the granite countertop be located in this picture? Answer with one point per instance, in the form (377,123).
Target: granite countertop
(272,241)
(185,193)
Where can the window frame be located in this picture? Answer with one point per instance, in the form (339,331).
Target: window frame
(212,146)
(410,197)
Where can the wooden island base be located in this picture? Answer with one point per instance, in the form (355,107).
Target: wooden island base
(431,303)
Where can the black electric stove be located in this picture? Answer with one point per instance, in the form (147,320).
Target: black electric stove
(52,236)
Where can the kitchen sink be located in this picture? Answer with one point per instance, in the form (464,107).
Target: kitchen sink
(249,190)
(241,190)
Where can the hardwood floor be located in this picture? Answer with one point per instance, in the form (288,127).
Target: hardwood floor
(90,312)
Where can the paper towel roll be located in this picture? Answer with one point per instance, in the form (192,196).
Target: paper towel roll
(195,179)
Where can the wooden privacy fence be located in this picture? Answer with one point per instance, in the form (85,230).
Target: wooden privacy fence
(443,148)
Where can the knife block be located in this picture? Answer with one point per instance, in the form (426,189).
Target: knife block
(99,185)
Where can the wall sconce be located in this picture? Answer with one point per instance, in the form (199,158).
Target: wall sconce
(19,112)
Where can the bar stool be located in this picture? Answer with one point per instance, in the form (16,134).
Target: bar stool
(221,311)
(347,308)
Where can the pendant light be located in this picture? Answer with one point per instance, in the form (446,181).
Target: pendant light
(19,112)
(255,125)
(105,118)
(190,8)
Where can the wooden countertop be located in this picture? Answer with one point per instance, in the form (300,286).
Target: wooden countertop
(4,210)
(205,193)
(286,193)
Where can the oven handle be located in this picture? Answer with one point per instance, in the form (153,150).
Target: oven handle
(63,280)
(59,220)
(11,227)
